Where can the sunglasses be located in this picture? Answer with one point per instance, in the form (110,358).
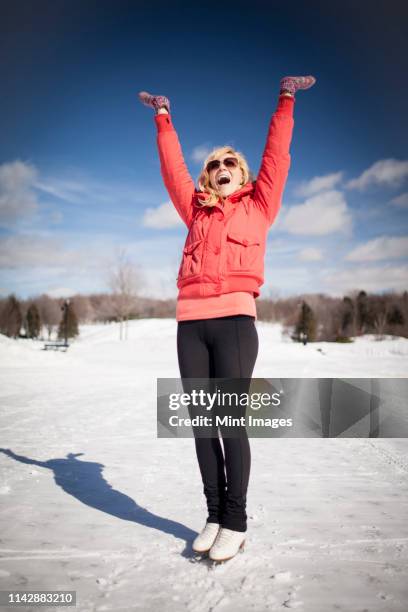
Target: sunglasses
(229,162)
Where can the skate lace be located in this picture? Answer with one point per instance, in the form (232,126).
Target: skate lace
(223,537)
(209,528)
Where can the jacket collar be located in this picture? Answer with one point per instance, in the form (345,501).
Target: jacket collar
(238,195)
(234,197)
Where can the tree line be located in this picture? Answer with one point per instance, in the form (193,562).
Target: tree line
(323,318)
(313,317)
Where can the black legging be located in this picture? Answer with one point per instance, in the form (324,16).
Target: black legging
(217,348)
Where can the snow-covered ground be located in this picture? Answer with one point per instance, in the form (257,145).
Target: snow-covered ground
(92,501)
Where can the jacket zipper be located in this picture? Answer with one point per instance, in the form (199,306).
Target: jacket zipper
(225,232)
(206,246)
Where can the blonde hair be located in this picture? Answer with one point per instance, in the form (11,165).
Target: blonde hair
(204,178)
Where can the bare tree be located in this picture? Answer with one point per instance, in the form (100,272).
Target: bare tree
(83,308)
(380,322)
(378,314)
(101,304)
(50,312)
(124,280)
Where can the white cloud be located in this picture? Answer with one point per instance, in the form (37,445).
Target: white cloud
(319,215)
(388,172)
(401,200)
(276,247)
(32,251)
(17,198)
(384,247)
(200,153)
(82,253)
(159,282)
(56,216)
(317,184)
(60,292)
(78,187)
(163,217)
(33,264)
(311,254)
(381,278)
(71,191)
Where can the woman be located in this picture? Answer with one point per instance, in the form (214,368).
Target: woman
(221,271)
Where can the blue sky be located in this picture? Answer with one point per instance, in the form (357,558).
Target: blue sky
(79,171)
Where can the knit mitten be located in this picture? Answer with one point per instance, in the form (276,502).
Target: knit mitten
(152,101)
(293,83)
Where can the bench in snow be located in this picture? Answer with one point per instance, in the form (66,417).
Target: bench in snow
(55,346)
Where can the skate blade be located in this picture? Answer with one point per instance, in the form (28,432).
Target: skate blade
(200,556)
(200,552)
(240,550)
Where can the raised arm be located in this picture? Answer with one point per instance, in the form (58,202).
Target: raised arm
(276,158)
(176,176)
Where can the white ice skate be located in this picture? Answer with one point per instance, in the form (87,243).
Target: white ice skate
(227,544)
(205,539)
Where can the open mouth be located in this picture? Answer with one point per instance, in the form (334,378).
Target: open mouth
(223,179)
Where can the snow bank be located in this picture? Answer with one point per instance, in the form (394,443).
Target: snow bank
(91,500)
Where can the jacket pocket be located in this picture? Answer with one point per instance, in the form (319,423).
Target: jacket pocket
(191,260)
(242,251)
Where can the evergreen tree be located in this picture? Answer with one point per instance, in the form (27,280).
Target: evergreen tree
(11,317)
(68,327)
(362,312)
(33,322)
(395,316)
(305,330)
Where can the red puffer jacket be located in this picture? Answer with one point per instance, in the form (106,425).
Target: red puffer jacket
(225,246)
